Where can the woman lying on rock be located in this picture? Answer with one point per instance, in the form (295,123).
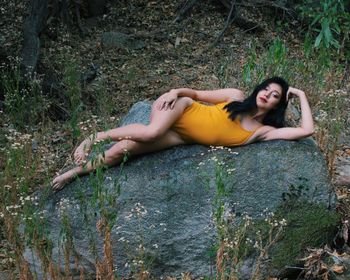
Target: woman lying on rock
(177,118)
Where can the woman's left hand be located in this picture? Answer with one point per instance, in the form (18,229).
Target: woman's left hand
(167,100)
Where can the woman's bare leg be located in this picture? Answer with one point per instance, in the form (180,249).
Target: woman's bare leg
(116,154)
(160,122)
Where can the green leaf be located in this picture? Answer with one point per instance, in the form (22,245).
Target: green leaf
(318,40)
(327,32)
(325,23)
(335,43)
(336,28)
(316,19)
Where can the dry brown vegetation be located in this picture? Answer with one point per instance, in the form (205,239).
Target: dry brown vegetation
(176,54)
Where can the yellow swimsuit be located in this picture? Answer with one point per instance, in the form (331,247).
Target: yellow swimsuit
(210,125)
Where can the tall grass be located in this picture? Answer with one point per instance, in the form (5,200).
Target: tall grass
(17,204)
(71,80)
(24,103)
(240,236)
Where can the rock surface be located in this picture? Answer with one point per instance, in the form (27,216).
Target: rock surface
(164,212)
(343,171)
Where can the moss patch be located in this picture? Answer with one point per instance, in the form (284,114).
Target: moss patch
(309,225)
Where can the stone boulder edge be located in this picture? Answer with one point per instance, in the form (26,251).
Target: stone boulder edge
(177,188)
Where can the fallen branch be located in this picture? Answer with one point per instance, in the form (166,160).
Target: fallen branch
(235,17)
(229,20)
(185,9)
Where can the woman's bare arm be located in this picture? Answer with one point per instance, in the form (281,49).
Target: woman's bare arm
(292,133)
(168,99)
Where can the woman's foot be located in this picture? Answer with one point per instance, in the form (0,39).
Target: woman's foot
(82,152)
(61,180)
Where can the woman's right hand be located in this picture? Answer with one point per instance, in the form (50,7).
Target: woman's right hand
(167,100)
(294,92)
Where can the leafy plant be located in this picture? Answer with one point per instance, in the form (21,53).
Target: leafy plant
(329,20)
(274,62)
(328,28)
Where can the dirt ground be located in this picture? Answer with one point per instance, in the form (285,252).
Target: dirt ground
(174,54)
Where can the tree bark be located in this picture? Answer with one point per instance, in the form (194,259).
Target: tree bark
(96,7)
(33,26)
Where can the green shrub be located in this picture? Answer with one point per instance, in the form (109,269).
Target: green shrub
(328,28)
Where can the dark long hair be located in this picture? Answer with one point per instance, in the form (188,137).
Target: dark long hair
(275,117)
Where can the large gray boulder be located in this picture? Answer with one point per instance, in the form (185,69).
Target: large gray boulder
(163,214)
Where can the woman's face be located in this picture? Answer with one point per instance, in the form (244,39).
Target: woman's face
(269,97)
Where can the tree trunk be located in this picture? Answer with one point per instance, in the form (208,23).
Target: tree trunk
(96,7)
(33,25)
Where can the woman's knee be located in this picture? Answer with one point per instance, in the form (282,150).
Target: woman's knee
(186,100)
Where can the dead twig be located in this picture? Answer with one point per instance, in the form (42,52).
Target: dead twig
(185,9)
(229,21)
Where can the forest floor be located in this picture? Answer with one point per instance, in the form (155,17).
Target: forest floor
(172,55)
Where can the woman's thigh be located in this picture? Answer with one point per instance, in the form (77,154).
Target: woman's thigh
(166,118)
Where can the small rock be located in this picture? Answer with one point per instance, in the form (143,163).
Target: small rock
(121,41)
(2,39)
(343,181)
(34,145)
(89,75)
(343,171)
